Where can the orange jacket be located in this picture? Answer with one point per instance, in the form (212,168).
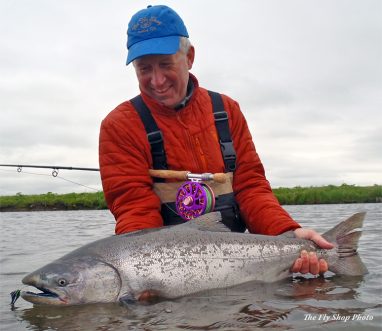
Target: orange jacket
(191,143)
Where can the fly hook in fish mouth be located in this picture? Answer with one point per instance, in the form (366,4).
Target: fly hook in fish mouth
(44,293)
(14,296)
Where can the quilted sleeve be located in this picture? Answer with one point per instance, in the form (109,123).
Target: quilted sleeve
(258,205)
(124,157)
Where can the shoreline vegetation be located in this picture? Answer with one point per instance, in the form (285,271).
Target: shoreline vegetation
(330,194)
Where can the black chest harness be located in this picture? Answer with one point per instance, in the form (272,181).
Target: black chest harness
(225,203)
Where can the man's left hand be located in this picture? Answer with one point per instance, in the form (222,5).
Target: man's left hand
(308,262)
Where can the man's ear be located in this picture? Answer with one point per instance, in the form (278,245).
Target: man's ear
(190,57)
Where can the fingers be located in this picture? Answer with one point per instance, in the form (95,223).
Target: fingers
(301,264)
(297,265)
(309,263)
(321,242)
(314,236)
(313,264)
(323,266)
(305,262)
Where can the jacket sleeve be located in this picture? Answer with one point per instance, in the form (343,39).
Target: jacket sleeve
(258,205)
(124,157)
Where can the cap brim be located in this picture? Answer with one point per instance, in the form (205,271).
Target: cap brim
(163,45)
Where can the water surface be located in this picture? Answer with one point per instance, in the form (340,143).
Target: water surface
(31,239)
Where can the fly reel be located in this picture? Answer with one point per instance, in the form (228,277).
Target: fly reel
(194,199)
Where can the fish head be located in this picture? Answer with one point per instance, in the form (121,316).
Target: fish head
(73,281)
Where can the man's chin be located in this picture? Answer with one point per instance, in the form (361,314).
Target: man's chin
(166,102)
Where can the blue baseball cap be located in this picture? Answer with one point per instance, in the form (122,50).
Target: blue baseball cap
(154,30)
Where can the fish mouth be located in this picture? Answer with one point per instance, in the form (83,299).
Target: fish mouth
(44,297)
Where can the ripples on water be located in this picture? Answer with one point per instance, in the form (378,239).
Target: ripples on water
(31,239)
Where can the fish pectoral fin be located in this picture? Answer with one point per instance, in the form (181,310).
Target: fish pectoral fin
(144,297)
(149,296)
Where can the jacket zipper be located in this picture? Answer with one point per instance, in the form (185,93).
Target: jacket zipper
(202,157)
(191,147)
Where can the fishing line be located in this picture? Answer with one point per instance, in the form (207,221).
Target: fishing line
(26,172)
(54,175)
(70,181)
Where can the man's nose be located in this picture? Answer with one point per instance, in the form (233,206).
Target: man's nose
(158,78)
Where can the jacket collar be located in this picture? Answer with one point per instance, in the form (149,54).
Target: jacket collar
(189,92)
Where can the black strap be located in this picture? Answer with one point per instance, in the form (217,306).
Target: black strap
(222,126)
(154,135)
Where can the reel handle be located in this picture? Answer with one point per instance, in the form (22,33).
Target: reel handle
(186,175)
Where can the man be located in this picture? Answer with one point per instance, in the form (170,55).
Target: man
(176,124)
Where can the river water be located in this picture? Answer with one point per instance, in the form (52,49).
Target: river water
(29,240)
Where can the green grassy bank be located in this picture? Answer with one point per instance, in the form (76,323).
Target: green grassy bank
(287,196)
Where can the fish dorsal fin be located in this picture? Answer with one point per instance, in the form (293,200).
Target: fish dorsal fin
(208,222)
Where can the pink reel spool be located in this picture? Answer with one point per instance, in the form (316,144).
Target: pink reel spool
(194,199)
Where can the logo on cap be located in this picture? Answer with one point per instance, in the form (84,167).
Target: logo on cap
(146,24)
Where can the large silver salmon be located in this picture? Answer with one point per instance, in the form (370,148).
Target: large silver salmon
(170,262)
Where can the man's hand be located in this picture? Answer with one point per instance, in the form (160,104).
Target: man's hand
(308,262)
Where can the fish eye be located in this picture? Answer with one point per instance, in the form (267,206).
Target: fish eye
(62,282)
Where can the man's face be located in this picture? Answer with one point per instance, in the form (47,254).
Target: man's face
(165,77)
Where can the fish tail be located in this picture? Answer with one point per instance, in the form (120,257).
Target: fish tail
(345,235)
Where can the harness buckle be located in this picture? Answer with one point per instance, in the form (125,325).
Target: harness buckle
(155,137)
(229,155)
(221,116)
(228,150)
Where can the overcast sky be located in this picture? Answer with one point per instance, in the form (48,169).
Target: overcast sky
(307,75)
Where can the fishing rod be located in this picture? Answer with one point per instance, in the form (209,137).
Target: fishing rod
(193,198)
(55,168)
(175,174)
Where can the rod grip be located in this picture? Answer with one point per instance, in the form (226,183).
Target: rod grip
(167,174)
(183,175)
